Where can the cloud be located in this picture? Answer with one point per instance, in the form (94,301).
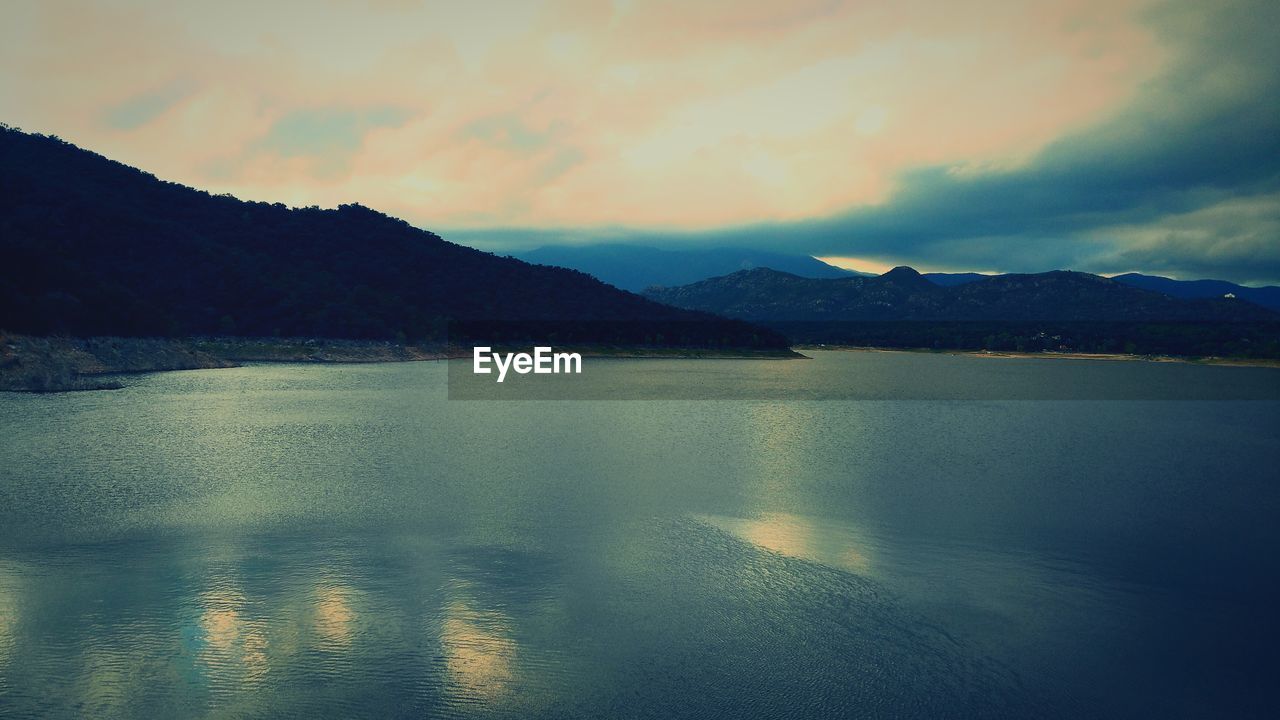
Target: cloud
(1184,179)
(142,109)
(1234,239)
(326,131)
(1195,144)
(507,130)
(569,112)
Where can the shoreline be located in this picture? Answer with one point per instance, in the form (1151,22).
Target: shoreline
(374,351)
(66,364)
(62,364)
(1050,355)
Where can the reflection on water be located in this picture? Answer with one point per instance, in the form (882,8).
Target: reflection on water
(108,678)
(835,544)
(8,618)
(232,646)
(479,652)
(334,616)
(777,431)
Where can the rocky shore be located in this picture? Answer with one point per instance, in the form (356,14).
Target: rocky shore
(55,364)
(59,364)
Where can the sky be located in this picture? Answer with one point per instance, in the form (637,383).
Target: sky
(1106,136)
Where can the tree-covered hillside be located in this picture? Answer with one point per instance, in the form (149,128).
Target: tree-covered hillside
(89,246)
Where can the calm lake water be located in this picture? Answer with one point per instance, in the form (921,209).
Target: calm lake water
(343,541)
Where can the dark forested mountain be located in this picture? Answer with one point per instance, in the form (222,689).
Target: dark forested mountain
(1268,297)
(636,267)
(1057,309)
(89,246)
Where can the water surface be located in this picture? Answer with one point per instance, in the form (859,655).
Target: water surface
(343,541)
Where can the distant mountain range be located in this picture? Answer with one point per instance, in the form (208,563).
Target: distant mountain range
(89,246)
(1268,296)
(1056,309)
(637,267)
(904,294)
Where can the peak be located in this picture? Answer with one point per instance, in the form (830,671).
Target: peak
(906,276)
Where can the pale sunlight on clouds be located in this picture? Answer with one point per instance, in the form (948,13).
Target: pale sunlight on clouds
(675,115)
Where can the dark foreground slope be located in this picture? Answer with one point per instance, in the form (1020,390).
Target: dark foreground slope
(91,247)
(1055,310)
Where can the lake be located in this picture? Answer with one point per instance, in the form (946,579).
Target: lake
(856,535)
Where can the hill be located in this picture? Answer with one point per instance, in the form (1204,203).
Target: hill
(637,267)
(92,247)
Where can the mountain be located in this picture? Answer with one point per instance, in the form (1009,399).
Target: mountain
(1053,310)
(89,246)
(1268,297)
(636,267)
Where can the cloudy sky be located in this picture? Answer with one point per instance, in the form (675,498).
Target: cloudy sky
(1102,135)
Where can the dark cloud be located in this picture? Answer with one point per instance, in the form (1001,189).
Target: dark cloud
(1235,239)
